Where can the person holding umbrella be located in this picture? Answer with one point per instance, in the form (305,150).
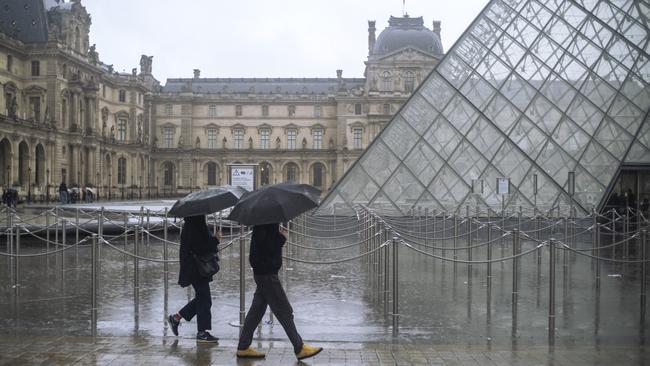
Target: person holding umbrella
(195,240)
(264,209)
(197,243)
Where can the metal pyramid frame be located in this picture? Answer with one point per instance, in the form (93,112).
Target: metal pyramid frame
(531,91)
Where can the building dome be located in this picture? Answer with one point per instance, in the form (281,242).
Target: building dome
(407,32)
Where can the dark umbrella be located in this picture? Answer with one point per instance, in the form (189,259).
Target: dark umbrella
(274,204)
(207,201)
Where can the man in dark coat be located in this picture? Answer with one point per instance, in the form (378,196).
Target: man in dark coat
(195,239)
(266,259)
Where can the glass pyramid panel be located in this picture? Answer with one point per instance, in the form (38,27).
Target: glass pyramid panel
(534,88)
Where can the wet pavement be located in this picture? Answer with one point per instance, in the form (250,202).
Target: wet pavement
(444,314)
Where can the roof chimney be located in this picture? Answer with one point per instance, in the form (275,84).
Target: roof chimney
(371,36)
(436,27)
(197,73)
(339,74)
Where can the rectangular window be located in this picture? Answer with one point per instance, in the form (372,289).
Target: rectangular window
(291,139)
(318,139)
(239,138)
(357,109)
(122,96)
(386,108)
(36,68)
(317,111)
(121,130)
(35,105)
(212,110)
(292,110)
(265,110)
(238,110)
(169,109)
(356,138)
(103,91)
(168,137)
(10,63)
(121,171)
(212,138)
(264,138)
(139,98)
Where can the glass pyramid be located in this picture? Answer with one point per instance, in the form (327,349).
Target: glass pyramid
(531,91)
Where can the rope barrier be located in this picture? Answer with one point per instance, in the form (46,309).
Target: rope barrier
(338,260)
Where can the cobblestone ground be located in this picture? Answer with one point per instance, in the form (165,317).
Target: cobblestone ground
(155,351)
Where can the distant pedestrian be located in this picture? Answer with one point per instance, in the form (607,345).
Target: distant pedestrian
(195,239)
(266,259)
(63,193)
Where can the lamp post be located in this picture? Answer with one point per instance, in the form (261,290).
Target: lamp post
(132,187)
(29,184)
(110,181)
(140,194)
(8,169)
(97,184)
(47,186)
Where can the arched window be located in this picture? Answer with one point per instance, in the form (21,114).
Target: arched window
(39,169)
(291,172)
(121,171)
(5,162)
(23,163)
(168,174)
(266,172)
(77,39)
(409,81)
(211,174)
(317,175)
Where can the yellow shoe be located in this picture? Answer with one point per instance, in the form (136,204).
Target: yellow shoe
(308,351)
(249,353)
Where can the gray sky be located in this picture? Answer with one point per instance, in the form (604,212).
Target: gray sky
(256,38)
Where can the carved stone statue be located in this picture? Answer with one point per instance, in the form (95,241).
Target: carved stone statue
(113,132)
(277,143)
(250,142)
(111,69)
(224,142)
(139,128)
(146,64)
(331,143)
(197,143)
(104,120)
(180,141)
(134,71)
(93,55)
(304,143)
(12,108)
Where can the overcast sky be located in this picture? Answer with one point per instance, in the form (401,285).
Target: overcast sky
(256,38)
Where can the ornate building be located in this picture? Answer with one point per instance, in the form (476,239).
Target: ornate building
(69,117)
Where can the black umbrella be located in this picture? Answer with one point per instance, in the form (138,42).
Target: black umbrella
(207,201)
(274,204)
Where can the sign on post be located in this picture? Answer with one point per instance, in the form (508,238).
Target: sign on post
(503,186)
(242,175)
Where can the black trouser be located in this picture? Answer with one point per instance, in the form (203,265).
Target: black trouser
(269,292)
(200,306)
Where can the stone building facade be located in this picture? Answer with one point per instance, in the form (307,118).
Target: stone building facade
(67,116)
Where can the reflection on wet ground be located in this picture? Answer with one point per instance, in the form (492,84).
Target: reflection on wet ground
(444,312)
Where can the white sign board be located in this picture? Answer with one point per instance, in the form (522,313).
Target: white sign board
(503,185)
(243,176)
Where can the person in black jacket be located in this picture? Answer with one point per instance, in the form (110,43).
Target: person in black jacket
(266,259)
(195,238)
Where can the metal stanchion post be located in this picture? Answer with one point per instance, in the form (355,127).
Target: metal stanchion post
(515,279)
(395,286)
(426,226)
(10,242)
(17,262)
(126,234)
(242,278)
(386,271)
(165,254)
(47,234)
(489,268)
(76,223)
(148,227)
(551,293)
(136,265)
(455,241)
(93,285)
(63,244)
(443,241)
(597,254)
(469,250)
(644,256)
